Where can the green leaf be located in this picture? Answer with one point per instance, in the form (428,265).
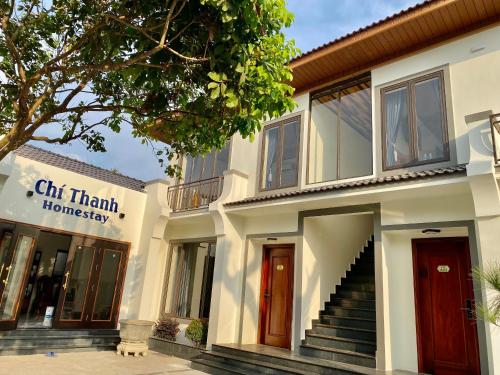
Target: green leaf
(215,76)
(215,93)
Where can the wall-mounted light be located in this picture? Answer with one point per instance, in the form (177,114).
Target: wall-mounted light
(431,231)
(272,239)
(29,193)
(121,216)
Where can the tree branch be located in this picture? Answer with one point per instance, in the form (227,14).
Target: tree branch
(167,23)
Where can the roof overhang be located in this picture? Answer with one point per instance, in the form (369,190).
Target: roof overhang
(422,26)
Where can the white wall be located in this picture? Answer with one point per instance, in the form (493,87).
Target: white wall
(249,319)
(421,208)
(400,329)
(330,245)
(16,206)
(474,79)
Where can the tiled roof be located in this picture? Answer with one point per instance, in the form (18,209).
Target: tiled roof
(418,28)
(411,176)
(73,165)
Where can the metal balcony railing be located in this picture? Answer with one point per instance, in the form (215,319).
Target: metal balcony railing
(495,136)
(195,195)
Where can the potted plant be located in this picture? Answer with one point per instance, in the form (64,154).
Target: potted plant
(197,332)
(166,328)
(490,276)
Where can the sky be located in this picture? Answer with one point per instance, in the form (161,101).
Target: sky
(316,22)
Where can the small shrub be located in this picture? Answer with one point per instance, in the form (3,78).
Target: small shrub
(166,328)
(197,332)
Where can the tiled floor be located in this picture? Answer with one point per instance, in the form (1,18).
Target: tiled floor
(94,363)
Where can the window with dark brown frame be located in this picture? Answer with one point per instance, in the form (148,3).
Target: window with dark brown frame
(205,167)
(414,129)
(340,132)
(280,154)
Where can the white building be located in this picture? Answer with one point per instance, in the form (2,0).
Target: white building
(347,230)
(340,240)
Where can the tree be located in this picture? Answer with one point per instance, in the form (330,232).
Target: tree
(189,72)
(490,277)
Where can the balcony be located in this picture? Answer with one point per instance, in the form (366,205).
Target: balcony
(195,195)
(495,136)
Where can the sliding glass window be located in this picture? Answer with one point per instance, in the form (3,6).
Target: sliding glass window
(188,280)
(414,122)
(340,132)
(280,156)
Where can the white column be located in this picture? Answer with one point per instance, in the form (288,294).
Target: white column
(225,307)
(150,262)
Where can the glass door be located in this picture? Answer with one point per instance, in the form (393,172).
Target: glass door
(71,312)
(16,249)
(92,284)
(109,283)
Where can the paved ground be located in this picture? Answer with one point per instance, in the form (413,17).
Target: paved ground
(94,363)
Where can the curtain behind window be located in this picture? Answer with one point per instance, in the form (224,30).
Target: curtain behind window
(396,110)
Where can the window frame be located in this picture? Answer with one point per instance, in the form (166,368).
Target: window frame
(168,270)
(334,89)
(281,125)
(410,85)
(214,165)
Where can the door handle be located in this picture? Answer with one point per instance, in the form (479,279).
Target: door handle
(267,294)
(1,269)
(6,280)
(469,309)
(66,277)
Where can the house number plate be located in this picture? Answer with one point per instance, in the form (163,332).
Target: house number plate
(280,267)
(443,268)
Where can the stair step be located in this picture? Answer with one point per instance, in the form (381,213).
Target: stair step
(216,368)
(338,355)
(366,260)
(252,365)
(30,349)
(353,294)
(364,278)
(354,345)
(343,321)
(288,359)
(358,286)
(361,270)
(349,312)
(44,332)
(349,302)
(344,332)
(57,341)
(32,341)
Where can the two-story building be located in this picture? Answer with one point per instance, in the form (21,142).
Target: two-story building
(343,237)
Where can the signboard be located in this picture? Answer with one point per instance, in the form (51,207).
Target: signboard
(92,207)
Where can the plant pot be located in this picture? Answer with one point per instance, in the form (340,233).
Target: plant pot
(137,331)
(134,336)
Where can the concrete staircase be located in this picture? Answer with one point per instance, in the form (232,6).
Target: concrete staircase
(345,330)
(342,341)
(40,341)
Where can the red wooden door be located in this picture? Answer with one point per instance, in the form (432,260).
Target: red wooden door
(446,329)
(276,296)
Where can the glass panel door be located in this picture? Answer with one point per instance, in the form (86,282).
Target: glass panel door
(76,284)
(15,252)
(93,282)
(106,287)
